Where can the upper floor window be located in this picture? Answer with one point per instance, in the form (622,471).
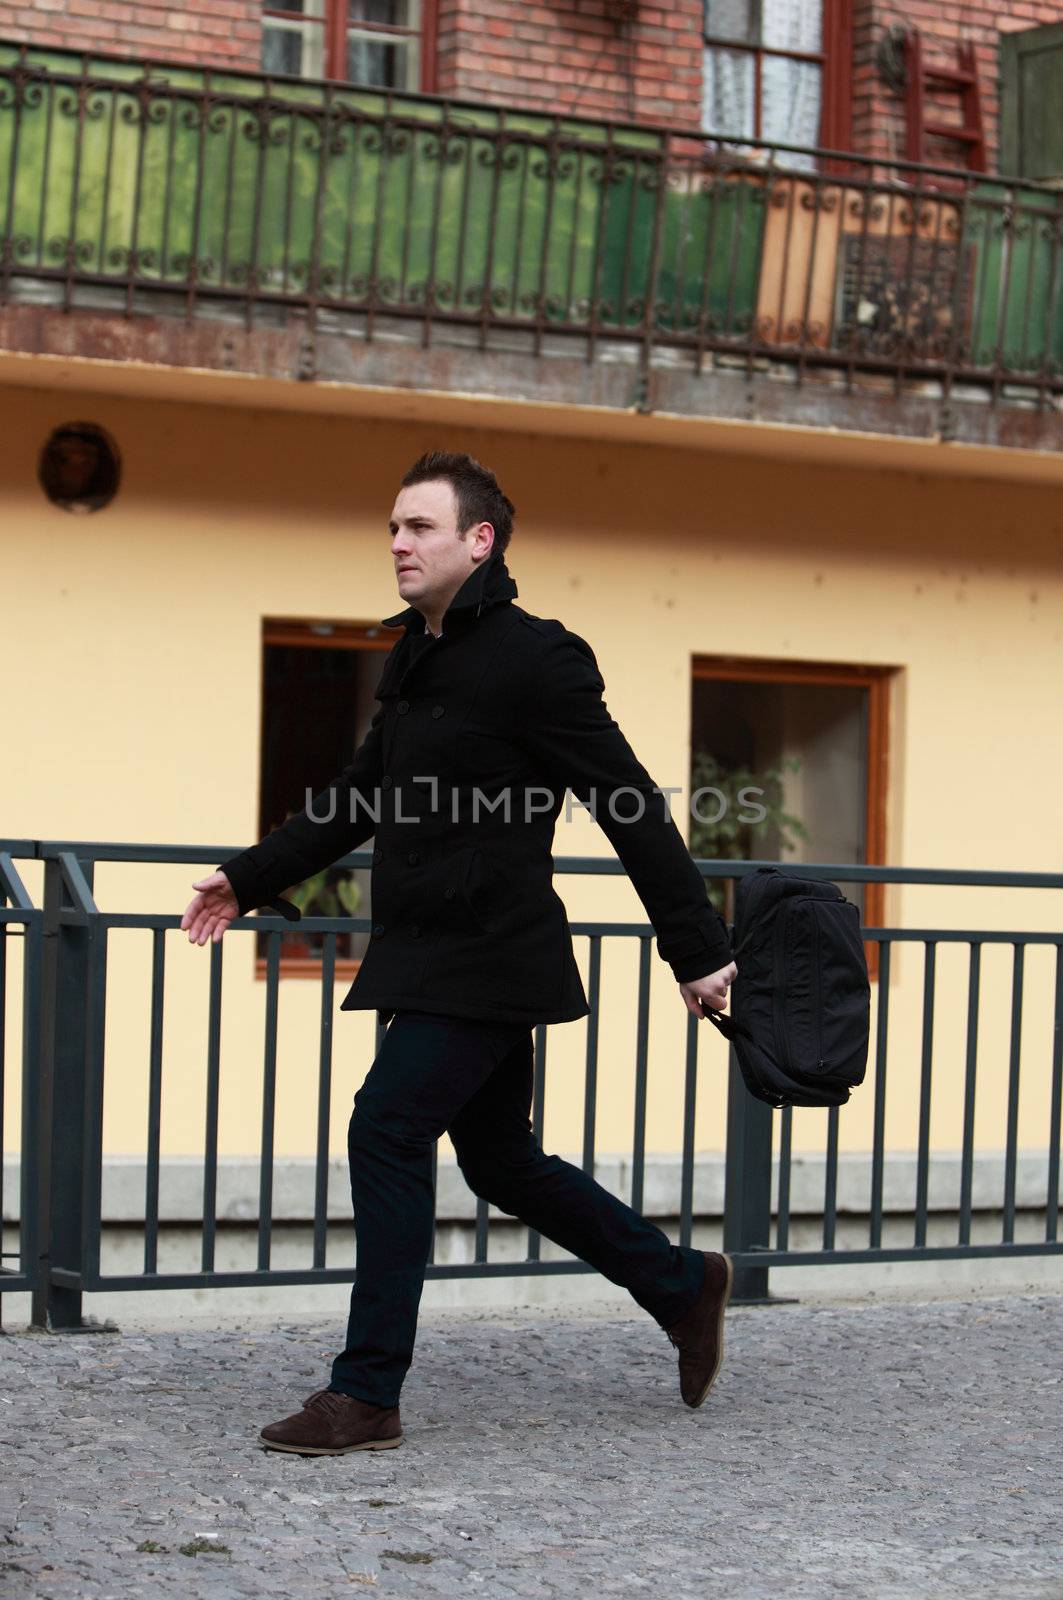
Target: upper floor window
(378,43)
(778,70)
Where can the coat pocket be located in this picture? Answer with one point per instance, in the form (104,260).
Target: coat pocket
(485,892)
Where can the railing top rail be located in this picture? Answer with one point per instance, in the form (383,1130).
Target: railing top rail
(845,871)
(581,927)
(11,885)
(509,118)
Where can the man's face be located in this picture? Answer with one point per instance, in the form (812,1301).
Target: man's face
(431,560)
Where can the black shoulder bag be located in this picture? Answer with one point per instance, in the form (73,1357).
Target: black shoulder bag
(801,1016)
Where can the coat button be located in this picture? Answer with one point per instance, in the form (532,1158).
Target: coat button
(415,930)
(386,782)
(378,931)
(378,855)
(413,858)
(448,894)
(437,711)
(402,707)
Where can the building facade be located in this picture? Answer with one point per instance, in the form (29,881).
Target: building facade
(789,418)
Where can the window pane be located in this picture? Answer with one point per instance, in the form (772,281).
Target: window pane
(804,746)
(390,13)
(302,752)
(305,8)
(790,104)
(730,19)
(382,63)
(727,93)
(295,48)
(792,24)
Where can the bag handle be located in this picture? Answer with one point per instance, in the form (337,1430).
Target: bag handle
(725,1024)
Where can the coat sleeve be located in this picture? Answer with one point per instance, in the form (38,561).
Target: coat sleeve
(568,733)
(304,845)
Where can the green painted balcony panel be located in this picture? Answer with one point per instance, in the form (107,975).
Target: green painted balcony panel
(1016,233)
(226,183)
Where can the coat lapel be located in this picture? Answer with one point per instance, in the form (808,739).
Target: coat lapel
(490,584)
(487,585)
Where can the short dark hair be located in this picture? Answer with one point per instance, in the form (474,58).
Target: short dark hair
(476,490)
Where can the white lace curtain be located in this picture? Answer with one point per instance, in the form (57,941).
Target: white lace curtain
(791,91)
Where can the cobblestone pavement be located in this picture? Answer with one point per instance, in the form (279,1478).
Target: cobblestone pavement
(872,1450)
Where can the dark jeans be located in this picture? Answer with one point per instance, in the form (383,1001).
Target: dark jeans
(472,1080)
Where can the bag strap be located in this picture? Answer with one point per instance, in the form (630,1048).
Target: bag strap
(762,1091)
(725,1024)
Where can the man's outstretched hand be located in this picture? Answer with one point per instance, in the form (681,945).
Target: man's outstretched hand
(710,992)
(212,910)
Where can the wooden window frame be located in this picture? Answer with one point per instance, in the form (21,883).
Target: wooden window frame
(835,61)
(877,681)
(335,24)
(325,634)
(836,111)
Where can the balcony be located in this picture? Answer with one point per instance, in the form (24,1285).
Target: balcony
(316,231)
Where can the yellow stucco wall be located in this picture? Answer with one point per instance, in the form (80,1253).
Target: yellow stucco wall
(133,659)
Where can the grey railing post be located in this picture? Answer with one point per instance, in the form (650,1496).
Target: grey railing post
(13,895)
(747,1181)
(63,1057)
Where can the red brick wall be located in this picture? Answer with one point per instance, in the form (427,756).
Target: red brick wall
(878,112)
(578,56)
(202,31)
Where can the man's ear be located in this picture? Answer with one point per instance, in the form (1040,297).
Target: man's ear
(484,530)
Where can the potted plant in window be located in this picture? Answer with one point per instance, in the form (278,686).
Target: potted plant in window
(727,837)
(334,892)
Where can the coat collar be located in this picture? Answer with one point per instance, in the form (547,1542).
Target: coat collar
(487,585)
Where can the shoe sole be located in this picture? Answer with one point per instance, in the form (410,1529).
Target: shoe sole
(719,1336)
(343,1450)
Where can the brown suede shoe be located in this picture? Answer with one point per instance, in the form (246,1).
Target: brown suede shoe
(698,1335)
(332,1424)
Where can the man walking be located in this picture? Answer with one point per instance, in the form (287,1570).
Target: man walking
(487,715)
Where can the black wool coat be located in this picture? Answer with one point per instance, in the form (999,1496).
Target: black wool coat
(466,921)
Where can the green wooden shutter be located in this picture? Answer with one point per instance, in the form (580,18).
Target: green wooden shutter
(1031,85)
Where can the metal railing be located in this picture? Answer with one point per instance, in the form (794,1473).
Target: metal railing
(64,1070)
(21,930)
(157,188)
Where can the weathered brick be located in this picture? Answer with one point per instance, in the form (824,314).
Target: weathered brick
(196,31)
(879,121)
(591,61)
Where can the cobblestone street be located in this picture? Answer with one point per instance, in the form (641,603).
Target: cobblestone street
(867,1449)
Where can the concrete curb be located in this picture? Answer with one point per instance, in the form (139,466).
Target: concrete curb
(181,1186)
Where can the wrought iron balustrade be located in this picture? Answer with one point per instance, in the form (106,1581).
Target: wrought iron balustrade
(175,190)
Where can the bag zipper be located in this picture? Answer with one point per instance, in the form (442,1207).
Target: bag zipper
(760,881)
(819,995)
(782,1043)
